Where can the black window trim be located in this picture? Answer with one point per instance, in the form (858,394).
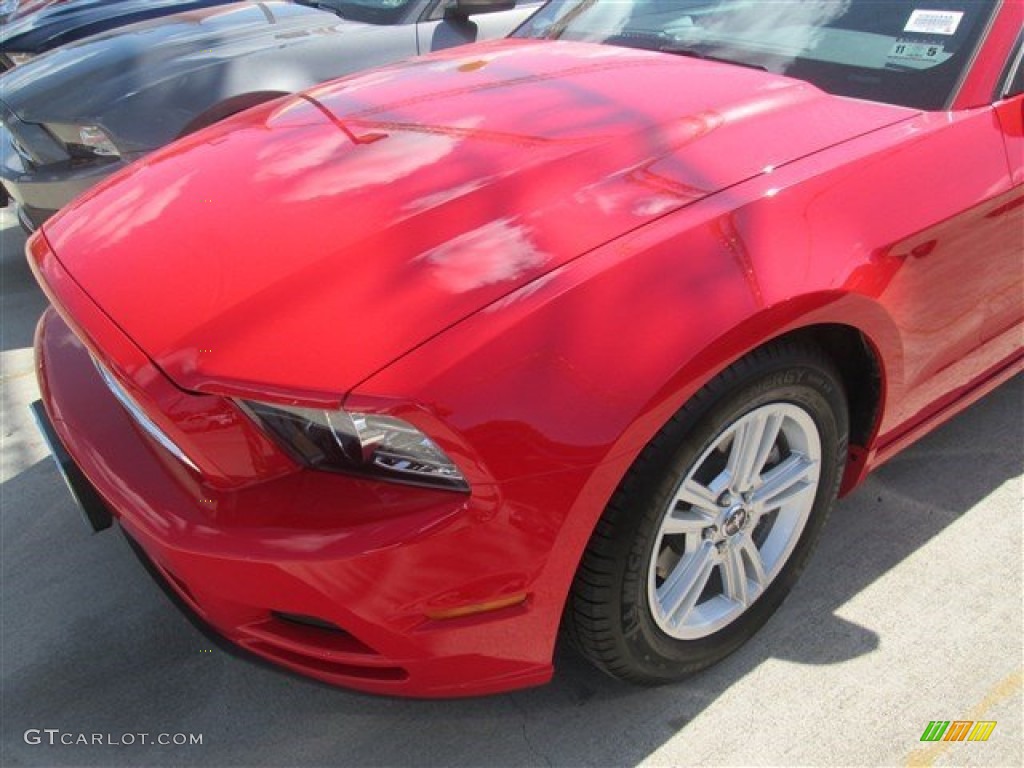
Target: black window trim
(1013,67)
(978,48)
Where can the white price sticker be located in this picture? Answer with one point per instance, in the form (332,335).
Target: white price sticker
(934,22)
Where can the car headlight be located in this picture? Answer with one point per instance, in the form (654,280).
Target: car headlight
(17,59)
(364,443)
(94,140)
(84,142)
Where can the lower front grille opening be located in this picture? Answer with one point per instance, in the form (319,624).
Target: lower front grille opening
(326,666)
(319,635)
(307,621)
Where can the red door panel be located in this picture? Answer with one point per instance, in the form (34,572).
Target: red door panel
(952,270)
(1004,326)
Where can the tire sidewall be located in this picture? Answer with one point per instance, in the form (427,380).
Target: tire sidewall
(813,388)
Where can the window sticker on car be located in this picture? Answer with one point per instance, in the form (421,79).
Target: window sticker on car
(906,49)
(934,22)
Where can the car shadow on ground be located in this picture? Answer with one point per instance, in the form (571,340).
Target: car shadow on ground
(91,645)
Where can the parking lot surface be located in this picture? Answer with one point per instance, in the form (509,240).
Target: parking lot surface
(911,611)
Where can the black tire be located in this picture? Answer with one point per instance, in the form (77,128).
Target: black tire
(608,616)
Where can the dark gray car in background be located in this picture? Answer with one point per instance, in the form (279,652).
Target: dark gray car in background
(24,37)
(74,116)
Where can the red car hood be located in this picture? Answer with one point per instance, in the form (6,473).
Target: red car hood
(301,247)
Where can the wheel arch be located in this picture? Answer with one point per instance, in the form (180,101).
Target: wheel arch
(856,333)
(863,373)
(853,331)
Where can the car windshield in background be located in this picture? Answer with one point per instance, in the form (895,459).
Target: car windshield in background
(369,11)
(906,52)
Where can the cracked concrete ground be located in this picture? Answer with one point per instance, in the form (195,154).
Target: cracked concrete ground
(909,612)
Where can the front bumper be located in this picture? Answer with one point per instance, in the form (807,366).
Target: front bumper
(331,576)
(41,191)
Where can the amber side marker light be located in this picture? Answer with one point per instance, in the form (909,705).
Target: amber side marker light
(477,608)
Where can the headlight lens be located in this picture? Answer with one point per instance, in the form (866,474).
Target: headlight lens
(83,142)
(17,59)
(94,140)
(365,443)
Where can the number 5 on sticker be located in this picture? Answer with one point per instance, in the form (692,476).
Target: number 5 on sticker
(916,51)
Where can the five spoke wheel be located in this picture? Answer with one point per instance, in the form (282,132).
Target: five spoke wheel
(716,518)
(734,520)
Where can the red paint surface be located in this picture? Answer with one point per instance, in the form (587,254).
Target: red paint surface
(531,254)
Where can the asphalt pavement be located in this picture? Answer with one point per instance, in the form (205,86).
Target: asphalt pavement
(911,611)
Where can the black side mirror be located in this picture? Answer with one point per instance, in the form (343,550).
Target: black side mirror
(463,9)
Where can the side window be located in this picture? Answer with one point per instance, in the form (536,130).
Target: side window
(437,12)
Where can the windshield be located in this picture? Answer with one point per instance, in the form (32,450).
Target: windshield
(906,52)
(369,11)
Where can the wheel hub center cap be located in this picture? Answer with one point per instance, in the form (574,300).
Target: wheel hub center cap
(736,521)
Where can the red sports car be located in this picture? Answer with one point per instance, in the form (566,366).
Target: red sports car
(583,330)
